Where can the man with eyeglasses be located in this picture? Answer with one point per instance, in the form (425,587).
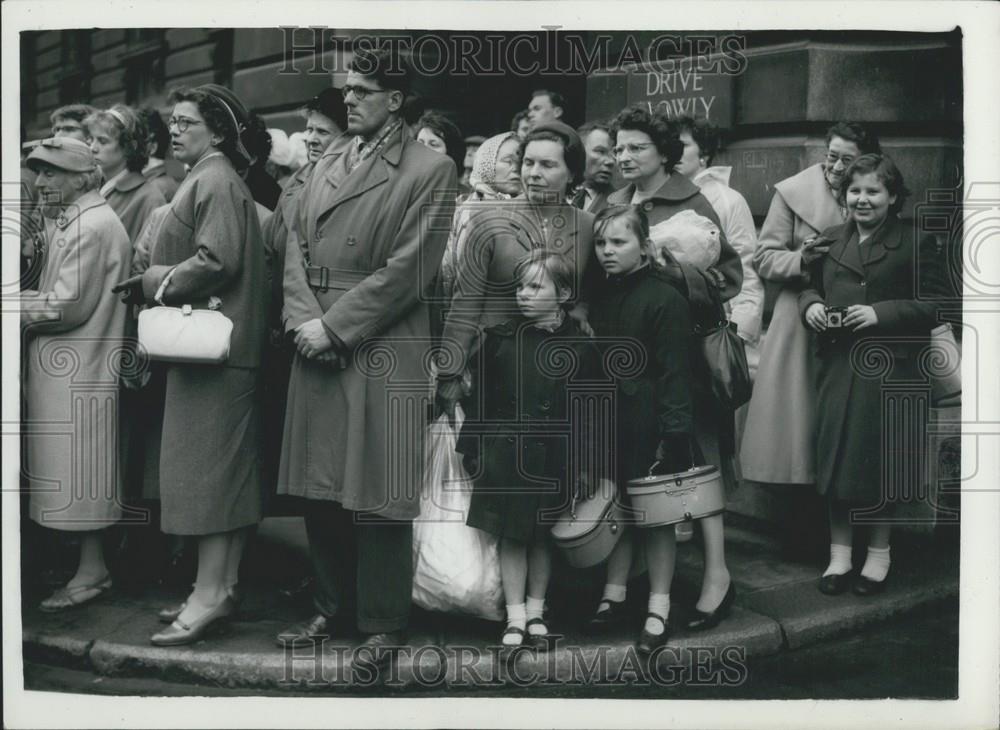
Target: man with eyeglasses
(368,237)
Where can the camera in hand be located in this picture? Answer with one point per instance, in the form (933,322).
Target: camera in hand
(835,317)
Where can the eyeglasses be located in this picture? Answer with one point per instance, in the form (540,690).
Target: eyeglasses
(832,160)
(182,123)
(633,149)
(360,92)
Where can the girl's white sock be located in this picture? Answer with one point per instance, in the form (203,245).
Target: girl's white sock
(535,607)
(516,616)
(840,560)
(876,564)
(659,603)
(612,592)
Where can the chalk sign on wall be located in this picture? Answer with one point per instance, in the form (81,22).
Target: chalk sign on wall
(684,91)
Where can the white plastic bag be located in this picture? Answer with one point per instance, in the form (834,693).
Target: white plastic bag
(456,568)
(691,238)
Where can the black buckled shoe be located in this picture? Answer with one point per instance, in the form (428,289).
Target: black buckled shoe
(868,587)
(318,627)
(606,620)
(702,621)
(834,585)
(377,650)
(539,642)
(648,643)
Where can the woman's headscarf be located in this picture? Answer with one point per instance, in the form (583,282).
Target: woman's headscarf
(484,165)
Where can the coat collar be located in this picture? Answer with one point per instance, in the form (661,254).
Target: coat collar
(809,197)
(371,173)
(129,182)
(848,253)
(675,190)
(74,210)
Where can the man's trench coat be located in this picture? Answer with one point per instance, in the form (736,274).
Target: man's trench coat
(362,256)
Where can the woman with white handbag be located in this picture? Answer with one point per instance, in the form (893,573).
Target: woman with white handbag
(207,271)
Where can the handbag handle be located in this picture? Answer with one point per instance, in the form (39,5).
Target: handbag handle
(158,297)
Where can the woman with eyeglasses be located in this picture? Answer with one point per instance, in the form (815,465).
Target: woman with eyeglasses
(647,148)
(777,445)
(208,253)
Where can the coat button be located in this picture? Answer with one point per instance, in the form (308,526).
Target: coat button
(863,283)
(647,206)
(511,439)
(546,405)
(352,241)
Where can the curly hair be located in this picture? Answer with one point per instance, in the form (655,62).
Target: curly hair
(663,132)
(128,128)
(859,134)
(217,119)
(885,170)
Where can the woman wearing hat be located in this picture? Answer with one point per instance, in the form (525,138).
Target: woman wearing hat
(647,148)
(208,253)
(501,235)
(74,327)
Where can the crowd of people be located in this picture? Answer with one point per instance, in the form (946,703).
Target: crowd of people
(328,254)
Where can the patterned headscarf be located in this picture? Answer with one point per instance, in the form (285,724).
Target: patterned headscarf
(484,166)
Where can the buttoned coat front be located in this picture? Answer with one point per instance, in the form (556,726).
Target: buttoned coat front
(74,328)
(355,436)
(868,440)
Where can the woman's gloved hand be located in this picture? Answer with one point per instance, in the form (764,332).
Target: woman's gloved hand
(130,290)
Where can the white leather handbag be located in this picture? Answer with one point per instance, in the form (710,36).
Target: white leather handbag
(184,334)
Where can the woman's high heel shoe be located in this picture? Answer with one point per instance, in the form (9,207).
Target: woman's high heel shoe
(702,621)
(169,614)
(179,633)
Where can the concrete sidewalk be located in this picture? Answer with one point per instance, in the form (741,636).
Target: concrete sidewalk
(778,608)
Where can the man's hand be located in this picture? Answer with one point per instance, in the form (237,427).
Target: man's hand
(311,339)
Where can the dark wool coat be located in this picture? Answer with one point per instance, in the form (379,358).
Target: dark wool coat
(704,290)
(861,432)
(532,435)
(355,436)
(643,325)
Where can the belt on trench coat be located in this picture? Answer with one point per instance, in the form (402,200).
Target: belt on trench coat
(324,278)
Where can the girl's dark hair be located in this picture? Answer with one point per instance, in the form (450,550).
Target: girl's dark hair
(664,133)
(556,266)
(859,134)
(704,134)
(257,140)
(128,126)
(158,132)
(633,215)
(885,170)
(217,119)
(447,130)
